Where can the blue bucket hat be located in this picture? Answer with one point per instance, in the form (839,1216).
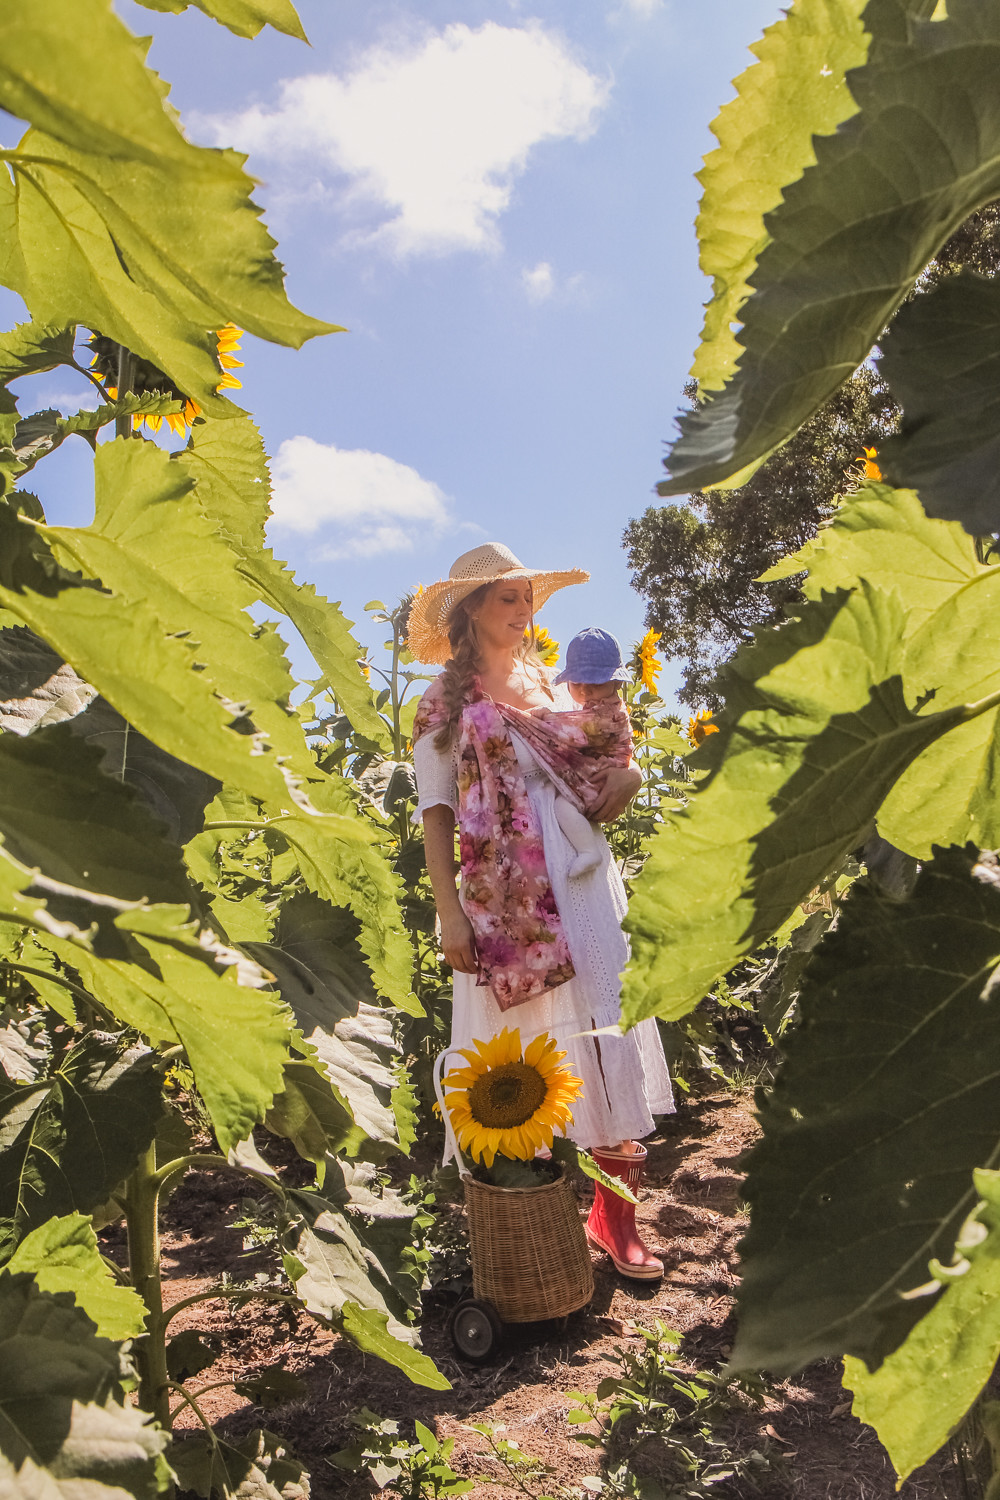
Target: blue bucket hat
(593,656)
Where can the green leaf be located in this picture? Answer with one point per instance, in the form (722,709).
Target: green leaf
(339,860)
(258,1467)
(313,1114)
(50,1360)
(236,1037)
(188,1355)
(244,17)
(951,639)
(112,219)
(170,702)
(63,1256)
(795,91)
(369,1331)
(941,360)
(271,1386)
(853,233)
(817,727)
(228,461)
(151,544)
(68,1138)
(884,1105)
(60,813)
(36,687)
(339,1279)
(174,793)
(920,1394)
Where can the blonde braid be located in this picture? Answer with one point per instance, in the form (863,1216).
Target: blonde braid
(463,668)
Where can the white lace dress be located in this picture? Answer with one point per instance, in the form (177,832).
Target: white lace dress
(625,1078)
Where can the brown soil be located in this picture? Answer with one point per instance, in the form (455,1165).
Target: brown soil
(817,1450)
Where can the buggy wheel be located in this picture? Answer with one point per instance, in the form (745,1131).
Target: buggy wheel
(475,1330)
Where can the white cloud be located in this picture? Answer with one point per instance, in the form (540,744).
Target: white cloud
(433,135)
(366,503)
(643,8)
(539,282)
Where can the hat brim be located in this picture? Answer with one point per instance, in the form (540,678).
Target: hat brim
(620,674)
(427,630)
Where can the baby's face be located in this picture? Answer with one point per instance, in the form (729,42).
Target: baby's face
(592,692)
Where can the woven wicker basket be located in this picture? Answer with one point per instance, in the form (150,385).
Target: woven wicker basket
(529,1251)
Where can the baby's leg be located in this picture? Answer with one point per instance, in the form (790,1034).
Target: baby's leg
(580,833)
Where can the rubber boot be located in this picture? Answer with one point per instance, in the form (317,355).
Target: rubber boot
(611,1225)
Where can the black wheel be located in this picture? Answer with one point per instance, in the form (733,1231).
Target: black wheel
(475,1331)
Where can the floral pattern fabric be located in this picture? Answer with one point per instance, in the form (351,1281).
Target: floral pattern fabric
(506,893)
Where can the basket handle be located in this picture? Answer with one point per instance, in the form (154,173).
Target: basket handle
(451,1147)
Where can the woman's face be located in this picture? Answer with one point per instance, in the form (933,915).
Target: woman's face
(504,615)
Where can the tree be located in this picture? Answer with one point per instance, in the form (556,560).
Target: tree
(697,563)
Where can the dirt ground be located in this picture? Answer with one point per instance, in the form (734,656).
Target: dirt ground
(816,1450)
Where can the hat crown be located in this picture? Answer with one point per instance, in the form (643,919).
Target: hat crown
(487,561)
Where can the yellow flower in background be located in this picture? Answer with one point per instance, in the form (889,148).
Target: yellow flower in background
(508,1104)
(869,468)
(700,726)
(227,344)
(650,665)
(547,648)
(366,670)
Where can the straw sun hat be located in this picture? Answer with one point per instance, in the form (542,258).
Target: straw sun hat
(427,633)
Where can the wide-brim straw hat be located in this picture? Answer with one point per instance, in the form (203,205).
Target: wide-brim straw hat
(427,630)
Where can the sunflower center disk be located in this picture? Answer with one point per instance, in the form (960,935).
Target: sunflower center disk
(507,1095)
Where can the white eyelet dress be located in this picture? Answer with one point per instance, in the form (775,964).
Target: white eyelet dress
(625,1078)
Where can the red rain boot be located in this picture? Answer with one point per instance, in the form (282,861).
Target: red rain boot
(611,1225)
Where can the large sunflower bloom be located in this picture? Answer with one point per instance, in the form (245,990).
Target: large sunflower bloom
(650,665)
(700,726)
(508,1104)
(148,378)
(546,648)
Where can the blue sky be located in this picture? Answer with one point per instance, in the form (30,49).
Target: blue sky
(497,200)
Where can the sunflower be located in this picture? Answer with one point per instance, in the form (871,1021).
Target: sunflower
(869,467)
(147,377)
(700,726)
(508,1104)
(545,646)
(650,665)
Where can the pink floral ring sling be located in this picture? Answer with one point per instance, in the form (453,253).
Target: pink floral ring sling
(506,893)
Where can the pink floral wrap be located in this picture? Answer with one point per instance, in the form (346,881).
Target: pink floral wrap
(506,892)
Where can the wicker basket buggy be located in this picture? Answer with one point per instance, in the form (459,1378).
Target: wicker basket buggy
(530,1259)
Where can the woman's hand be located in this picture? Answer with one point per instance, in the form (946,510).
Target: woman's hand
(459,943)
(619,786)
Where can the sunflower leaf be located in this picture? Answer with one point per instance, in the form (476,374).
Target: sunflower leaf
(794,91)
(820,720)
(244,17)
(952,641)
(885,1104)
(109,217)
(941,359)
(921,1392)
(228,461)
(851,236)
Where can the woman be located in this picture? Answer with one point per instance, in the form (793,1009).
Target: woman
(549,946)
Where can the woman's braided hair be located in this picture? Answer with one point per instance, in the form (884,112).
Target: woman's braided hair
(464,665)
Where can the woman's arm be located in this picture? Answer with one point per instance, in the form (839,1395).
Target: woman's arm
(619,786)
(457,938)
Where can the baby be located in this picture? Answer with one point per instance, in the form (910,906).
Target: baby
(592,673)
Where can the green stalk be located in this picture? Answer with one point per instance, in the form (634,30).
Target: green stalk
(142,1219)
(126,379)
